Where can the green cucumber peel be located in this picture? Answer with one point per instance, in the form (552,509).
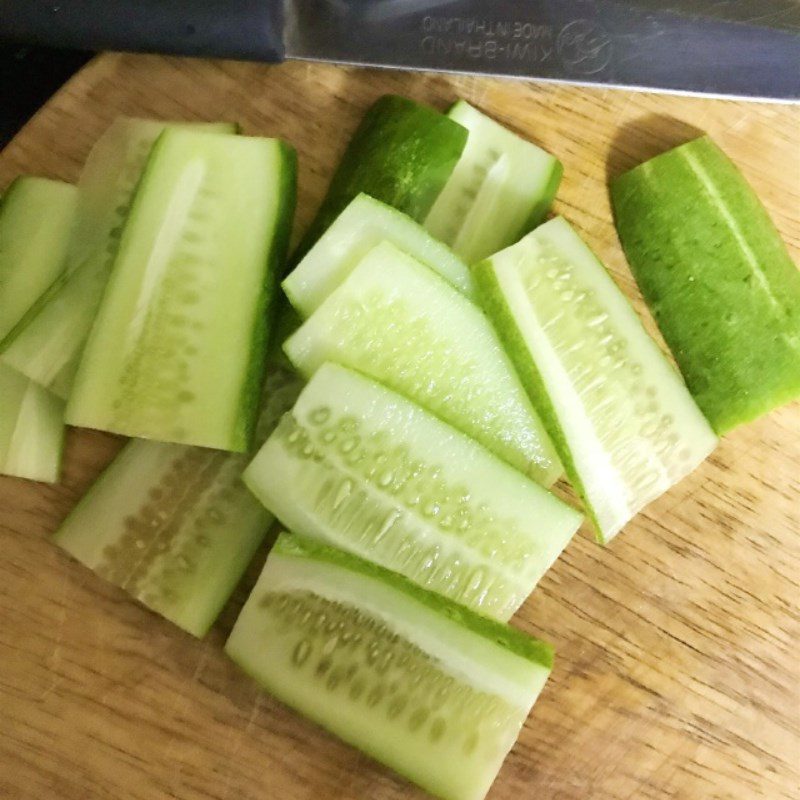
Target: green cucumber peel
(719,281)
(401,154)
(517,642)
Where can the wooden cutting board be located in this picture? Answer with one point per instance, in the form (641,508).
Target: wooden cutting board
(677,672)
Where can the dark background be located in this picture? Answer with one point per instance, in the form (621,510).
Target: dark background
(28,76)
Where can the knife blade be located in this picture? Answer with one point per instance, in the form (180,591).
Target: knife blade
(726,48)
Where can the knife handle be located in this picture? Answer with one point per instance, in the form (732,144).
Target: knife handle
(241,29)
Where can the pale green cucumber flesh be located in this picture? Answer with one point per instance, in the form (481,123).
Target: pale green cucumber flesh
(174,525)
(398,322)
(109,178)
(361,226)
(401,154)
(176,352)
(47,342)
(366,470)
(501,188)
(429,689)
(36,219)
(624,423)
(31,429)
(61,385)
(719,280)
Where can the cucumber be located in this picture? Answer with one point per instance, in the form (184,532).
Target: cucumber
(501,188)
(401,154)
(625,426)
(363,469)
(109,177)
(36,219)
(398,322)
(31,429)
(46,343)
(435,692)
(363,224)
(176,352)
(719,281)
(174,525)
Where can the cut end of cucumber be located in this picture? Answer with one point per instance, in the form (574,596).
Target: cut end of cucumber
(362,468)
(501,188)
(365,223)
(426,687)
(720,282)
(624,423)
(31,429)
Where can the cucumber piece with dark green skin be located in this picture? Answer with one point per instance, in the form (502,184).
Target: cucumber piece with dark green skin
(174,525)
(36,219)
(432,690)
(400,323)
(501,188)
(401,154)
(625,426)
(365,223)
(177,350)
(45,344)
(363,469)
(717,277)
(31,429)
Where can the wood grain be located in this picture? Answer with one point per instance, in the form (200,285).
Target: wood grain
(677,671)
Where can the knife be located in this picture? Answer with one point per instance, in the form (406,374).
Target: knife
(727,48)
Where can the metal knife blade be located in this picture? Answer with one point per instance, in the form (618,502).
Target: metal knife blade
(729,48)
(737,48)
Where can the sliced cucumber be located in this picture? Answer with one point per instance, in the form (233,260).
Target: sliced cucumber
(364,469)
(501,188)
(46,343)
(398,322)
(36,219)
(624,423)
(402,154)
(174,525)
(363,224)
(109,177)
(31,429)
(423,685)
(176,352)
(719,280)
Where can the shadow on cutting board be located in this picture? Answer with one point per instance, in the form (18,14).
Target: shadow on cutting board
(645,138)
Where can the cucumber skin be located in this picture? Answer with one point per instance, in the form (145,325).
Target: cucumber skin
(401,154)
(490,298)
(517,642)
(247,418)
(725,341)
(541,209)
